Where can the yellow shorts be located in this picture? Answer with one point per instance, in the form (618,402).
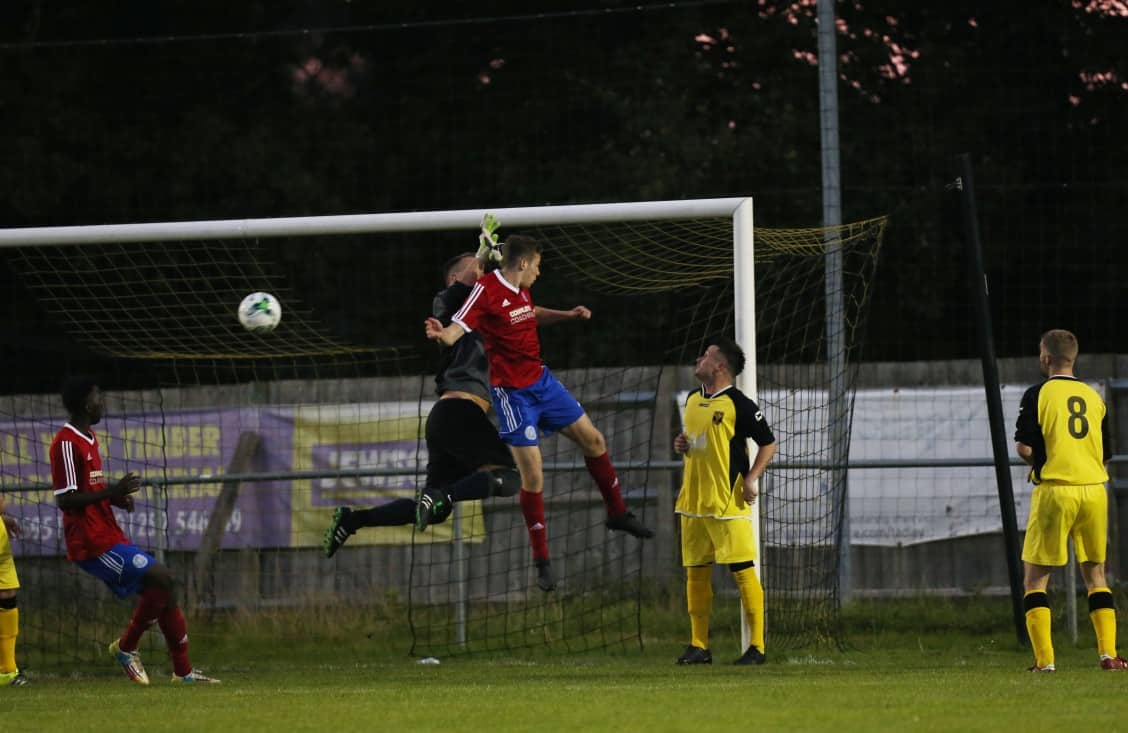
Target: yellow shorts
(1058,511)
(8,578)
(705,540)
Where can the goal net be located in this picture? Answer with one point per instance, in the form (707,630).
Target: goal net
(248,442)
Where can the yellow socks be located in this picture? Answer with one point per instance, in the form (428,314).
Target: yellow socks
(9,630)
(699,599)
(752,597)
(1102,612)
(1037,607)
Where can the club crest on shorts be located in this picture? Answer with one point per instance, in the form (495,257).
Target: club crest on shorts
(718,417)
(530,433)
(140,561)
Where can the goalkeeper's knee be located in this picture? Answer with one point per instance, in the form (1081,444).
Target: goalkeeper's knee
(504,482)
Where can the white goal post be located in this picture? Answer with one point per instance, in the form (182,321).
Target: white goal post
(738,209)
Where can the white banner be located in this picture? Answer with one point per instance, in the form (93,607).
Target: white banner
(891,506)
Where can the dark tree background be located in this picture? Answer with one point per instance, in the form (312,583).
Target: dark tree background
(136,111)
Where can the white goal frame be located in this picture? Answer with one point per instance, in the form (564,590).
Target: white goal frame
(738,209)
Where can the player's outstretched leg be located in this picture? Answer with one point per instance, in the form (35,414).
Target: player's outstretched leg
(629,523)
(339,531)
(618,517)
(347,521)
(435,505)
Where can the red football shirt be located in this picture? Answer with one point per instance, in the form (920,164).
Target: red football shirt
(504,315)
(76,465)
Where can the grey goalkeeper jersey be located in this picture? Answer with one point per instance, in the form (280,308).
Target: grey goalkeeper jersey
(462,367)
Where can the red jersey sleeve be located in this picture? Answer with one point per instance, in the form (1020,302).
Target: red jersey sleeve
(474,309)
(66,466)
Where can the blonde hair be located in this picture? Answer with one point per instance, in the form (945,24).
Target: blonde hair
(1061,345)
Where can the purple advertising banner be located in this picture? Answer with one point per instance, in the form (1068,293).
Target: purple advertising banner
(203,443)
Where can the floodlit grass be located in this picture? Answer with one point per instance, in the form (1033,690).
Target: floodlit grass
(920,665)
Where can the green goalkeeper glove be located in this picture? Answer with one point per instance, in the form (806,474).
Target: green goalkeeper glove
(488,248)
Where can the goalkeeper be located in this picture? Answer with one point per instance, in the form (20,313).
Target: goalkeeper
(466,458)
(718,489)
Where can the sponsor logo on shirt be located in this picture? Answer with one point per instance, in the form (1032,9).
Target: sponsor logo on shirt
(517,315)
(505,303)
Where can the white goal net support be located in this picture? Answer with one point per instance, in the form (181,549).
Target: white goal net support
(248,442)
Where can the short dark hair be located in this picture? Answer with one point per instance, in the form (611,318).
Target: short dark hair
(454,262)
(75,391)
(732,352)
(518,247)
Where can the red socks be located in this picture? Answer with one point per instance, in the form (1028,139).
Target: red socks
(603,472)
(532,506)
(154,606)
(153,601)
(176,637)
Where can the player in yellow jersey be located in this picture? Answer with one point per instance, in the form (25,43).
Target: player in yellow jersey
(1062,432)
(717,491)
(10,674)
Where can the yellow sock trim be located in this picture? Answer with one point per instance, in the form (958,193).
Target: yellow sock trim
(752,597)
(1038,627)
(1104,624)
(9,630)
(699,600)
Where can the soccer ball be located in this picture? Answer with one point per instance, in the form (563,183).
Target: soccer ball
(260,313)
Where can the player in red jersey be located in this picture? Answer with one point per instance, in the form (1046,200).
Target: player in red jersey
(529,400)
(96,543)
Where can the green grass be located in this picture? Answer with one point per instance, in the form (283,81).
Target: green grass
(921,665)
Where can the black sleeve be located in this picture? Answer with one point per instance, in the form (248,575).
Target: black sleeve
(1026,430)
(448,301)
(750,421)
(1106,439)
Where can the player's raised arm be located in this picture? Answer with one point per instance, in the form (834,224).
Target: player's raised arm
(548,316)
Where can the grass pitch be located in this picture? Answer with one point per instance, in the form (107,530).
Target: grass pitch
(939,675)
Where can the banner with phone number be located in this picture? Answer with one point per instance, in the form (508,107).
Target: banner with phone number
(203,443)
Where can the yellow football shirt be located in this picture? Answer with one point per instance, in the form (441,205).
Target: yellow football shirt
(1065,422)
(718,427)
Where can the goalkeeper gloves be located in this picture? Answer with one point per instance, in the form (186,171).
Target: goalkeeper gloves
(489,250)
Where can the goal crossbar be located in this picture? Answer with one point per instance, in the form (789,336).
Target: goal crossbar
(365,223)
